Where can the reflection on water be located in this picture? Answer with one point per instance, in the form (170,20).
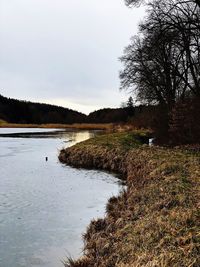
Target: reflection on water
(45,206)
(70,135)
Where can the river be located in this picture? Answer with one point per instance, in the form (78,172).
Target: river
(45,206)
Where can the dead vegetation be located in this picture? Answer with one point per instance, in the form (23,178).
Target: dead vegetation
(110,127)
(156,221)
(78,126)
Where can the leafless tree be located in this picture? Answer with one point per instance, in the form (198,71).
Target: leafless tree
(162,63)
(131,3)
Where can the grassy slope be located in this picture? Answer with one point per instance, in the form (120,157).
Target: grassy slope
(155,222)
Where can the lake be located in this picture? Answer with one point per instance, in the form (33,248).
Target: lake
(45,206)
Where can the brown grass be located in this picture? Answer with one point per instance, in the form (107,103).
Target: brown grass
(156,221)
(79,126)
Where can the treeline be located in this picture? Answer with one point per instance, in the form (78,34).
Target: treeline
(142,116)
(114,115)
(15,111)
(162,66)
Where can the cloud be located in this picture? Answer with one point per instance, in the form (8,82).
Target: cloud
(64,49)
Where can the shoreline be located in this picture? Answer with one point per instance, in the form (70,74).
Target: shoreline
(155,221)
(78,126)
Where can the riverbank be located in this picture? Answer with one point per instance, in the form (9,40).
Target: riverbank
(155,221)
(75,126)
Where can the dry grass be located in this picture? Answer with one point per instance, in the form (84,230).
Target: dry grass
(83,262)
(156,221)
(78,126)
(119,140)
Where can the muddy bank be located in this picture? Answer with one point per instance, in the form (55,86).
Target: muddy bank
(155,222)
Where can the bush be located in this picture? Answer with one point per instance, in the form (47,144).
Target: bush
(184,125)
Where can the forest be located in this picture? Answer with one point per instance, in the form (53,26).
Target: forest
(16,111)
(25,112)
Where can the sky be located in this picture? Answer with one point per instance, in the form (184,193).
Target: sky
(65,52)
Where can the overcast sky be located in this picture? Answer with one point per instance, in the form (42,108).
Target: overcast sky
(65,52)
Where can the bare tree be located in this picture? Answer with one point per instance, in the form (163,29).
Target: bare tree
(151,62)
(183,17)
(162,64)
(131,3)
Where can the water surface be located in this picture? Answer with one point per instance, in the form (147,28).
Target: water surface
(45,206)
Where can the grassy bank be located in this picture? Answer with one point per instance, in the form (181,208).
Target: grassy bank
(156,221)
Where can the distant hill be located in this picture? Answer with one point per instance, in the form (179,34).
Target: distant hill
(16,111)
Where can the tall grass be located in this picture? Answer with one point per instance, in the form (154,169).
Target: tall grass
(155,222)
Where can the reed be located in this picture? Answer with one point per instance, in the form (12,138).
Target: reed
(78,126)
